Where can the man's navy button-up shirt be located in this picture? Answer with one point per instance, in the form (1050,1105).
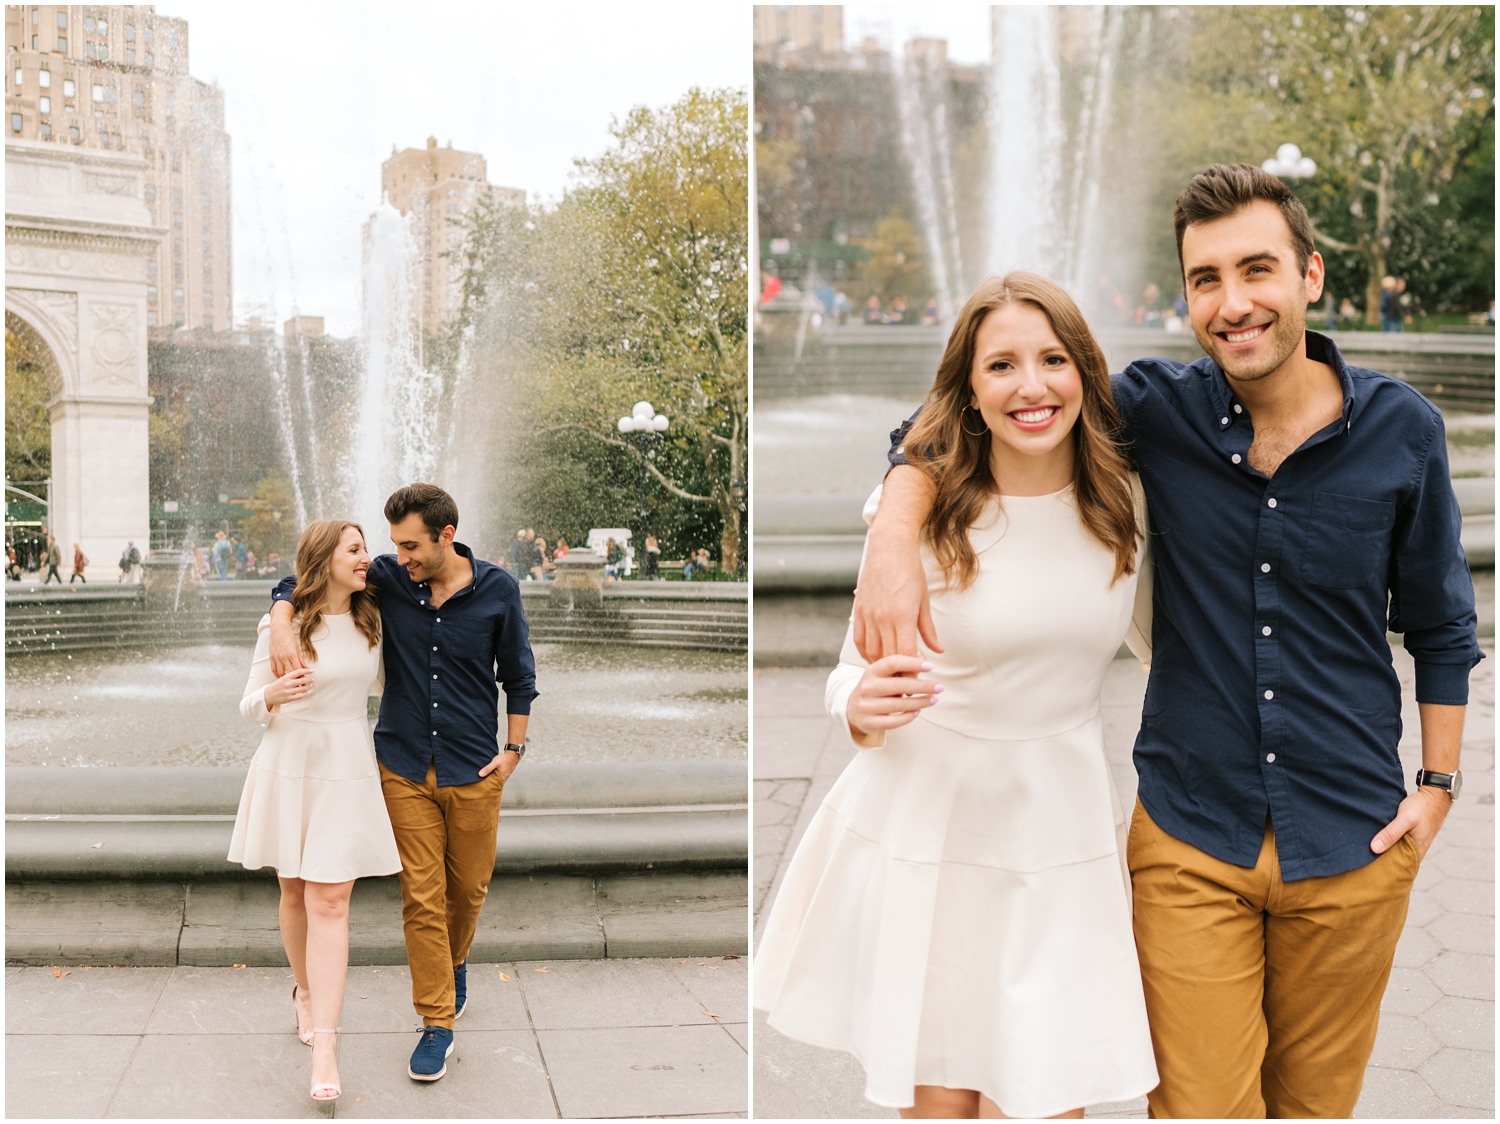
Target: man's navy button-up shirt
(1272,690)
(444,668)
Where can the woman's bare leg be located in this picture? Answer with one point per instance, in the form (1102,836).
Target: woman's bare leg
(327,967)
(989,1110)
(933,1102)
(292,913)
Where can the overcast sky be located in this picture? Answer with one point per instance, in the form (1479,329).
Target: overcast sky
(965,26)
(317,94)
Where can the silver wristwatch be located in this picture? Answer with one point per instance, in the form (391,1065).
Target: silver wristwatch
(520,750)
(1451,783)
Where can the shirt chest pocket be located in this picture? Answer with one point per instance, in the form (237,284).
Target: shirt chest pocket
(1348,540)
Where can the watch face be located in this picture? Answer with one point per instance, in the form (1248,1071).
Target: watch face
(1458,783)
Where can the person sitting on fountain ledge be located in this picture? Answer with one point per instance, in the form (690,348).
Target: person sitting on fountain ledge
(453,629)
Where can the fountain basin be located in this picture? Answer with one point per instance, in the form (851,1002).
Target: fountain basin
(127,866)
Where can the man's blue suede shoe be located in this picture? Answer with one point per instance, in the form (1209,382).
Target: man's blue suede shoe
(429,1061)
(460,989)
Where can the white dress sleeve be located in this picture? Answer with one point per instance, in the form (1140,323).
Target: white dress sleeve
(845,677)
(253,702)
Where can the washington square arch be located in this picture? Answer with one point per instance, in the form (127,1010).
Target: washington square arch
(77,239)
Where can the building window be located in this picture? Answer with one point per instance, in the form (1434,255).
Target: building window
(46,130)
(119,141)
(62,20)
(208,299)
(151,265)
(111,95)
(88,49)
(150,193)
(62,44)
(138,98)
(150,36)
(208,275)
(130,33)
(150,62)
(36,42)
(36,17)
(44,78)
(129,56)
(150,294)
(88,24)
(15,122)
(177,196)
(68,88)
(44,104)
(103,52)
(177,297)
(98,92)
(177,269)
(103,26)
(74,135)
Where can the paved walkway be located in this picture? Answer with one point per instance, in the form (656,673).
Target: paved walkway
(1435,1054)
(540,1040)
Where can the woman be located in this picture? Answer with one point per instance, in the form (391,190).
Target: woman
(312,805)
(80,563)
(957,915)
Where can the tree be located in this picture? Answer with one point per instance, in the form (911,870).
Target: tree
(634,287)
(28,422)
(895,267)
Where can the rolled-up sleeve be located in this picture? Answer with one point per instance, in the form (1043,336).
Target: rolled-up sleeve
(1432,594)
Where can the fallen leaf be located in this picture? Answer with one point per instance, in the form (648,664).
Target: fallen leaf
(504,978)
(541,970)
(58,973)
(95,846)
(239,965)
(683,960)
(711,1014)
(730,956)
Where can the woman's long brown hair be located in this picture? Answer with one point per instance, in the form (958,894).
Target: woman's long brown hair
(959,462)
(314,551)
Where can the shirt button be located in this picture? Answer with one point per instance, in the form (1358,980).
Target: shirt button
(440,619)
(1268,630)
(434,647)
(1270,757)
(1238,408)
(1265,631)
(1265,568)
(1271,502)
(1223,421)
(1269,695)
(1235,458)
(434,733)
(421,602)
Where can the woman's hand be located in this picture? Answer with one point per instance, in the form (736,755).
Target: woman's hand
(889,694)
(290,687)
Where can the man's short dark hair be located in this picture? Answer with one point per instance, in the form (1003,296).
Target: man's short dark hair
(434,505)
(1223,189)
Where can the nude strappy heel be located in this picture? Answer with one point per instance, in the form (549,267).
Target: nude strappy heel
(326,1090)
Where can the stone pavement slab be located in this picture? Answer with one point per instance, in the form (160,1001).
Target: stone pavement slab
(539,1040)
(1434,1054)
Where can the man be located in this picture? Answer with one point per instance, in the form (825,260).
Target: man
(1298,507)
(452,629)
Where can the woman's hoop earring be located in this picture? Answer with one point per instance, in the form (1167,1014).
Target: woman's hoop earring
(963,416)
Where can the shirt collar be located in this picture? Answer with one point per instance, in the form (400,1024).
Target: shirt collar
(1320,348)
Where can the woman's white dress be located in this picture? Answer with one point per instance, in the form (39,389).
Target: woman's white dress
(312,806)
(958,912)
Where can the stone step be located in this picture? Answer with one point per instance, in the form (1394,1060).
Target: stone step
(526,917)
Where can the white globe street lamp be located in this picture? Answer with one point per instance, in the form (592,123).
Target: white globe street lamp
(1290,164)
(645,420)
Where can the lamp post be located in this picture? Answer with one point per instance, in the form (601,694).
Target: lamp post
(643,419)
